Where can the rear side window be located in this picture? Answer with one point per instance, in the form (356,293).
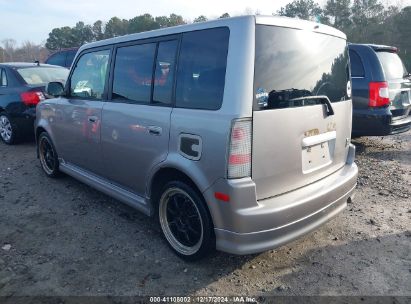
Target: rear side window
(164,74)
(201,69)
(89,75)
(392,65)
(3,78)
(57,59)
(357,68)
(133,72)
(296,68)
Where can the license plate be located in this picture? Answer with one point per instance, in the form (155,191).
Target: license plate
(317,156)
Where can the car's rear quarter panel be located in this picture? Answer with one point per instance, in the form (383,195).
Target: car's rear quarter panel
(214,126)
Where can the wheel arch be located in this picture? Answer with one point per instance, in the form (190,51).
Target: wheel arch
(41,127)
(164,175)
(168,173)
(40,130)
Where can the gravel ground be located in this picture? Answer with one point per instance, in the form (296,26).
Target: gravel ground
(60,237)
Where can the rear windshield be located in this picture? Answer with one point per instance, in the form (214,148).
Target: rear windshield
(57,59)
(297,67)
(42,75)
(70,58)
(392,65)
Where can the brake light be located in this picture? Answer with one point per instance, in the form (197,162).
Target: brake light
(239,158)
(32,98)
(379,94)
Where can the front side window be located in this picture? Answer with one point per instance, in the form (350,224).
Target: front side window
(89,75)
(133,72)
(201,69)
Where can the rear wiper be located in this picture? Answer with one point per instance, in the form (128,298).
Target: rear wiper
(323,99)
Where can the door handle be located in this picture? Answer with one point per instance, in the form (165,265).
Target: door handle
(154,130)
(92,119)
(318,139)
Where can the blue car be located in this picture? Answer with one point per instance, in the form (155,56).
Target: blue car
(62,58)
(21,89)
(381,91)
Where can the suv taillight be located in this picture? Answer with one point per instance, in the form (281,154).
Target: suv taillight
(32,98)
(379,94)
(239,157)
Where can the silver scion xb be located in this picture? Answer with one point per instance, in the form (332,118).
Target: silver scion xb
(234,133)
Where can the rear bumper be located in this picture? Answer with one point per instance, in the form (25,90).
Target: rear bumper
(25,125)
(400,125)
(281,219)
(378,122)
(24,118)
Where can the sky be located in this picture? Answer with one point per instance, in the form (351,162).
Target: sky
(33,20)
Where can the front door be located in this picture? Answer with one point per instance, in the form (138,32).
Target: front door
(78,117)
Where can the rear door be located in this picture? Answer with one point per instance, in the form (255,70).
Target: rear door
(3,85)
(11,86)
(302,111)
(398,84)
(136,121)
(5,90)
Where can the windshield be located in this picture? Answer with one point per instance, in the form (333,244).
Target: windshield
(42,75)
(392,65)
(291,64)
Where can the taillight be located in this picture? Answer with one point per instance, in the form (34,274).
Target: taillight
(239,157)
(32,98)
(379,94)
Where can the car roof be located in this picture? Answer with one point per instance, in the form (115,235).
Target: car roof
(233,21)
(65,50)
(27,65)
(377,47)
(295,23)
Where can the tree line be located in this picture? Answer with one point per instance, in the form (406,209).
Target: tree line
(27,52)
(67,37)
(81,33)
(364,21)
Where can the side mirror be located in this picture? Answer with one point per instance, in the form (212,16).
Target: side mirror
(54,89)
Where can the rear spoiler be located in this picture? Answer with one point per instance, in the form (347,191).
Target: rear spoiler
(379,47)
(384,48)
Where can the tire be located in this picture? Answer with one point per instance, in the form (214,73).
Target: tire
(8,130)
(48,155)
(185,221)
